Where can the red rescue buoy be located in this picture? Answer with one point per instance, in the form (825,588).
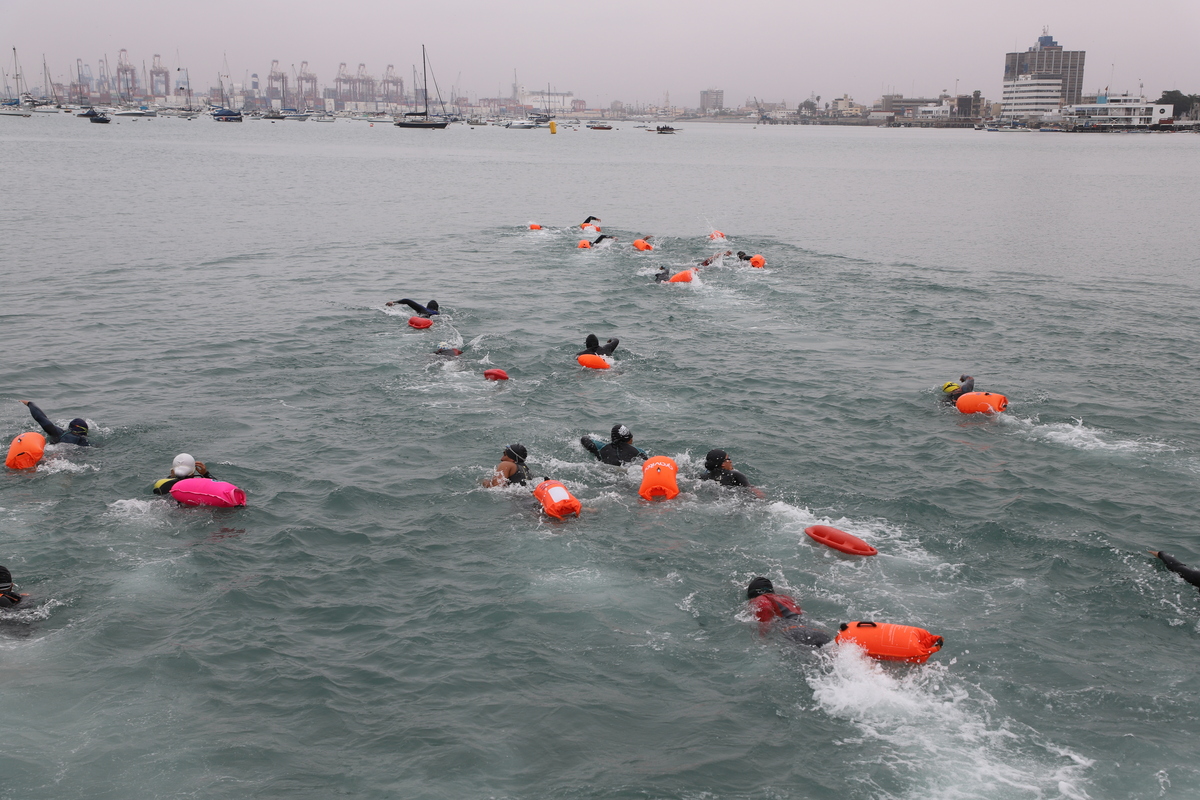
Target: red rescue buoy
(495,374)
(682,277)
(587,226)
(533,226)
(981,403)
(658,478)
(25,451)
(757,261)
(887,642)
(642,244)
(420,322)
(592,361)
(556,500)
(716,235)
(584,244)
(840,540)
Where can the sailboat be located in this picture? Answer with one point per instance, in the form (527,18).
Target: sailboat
(424,121)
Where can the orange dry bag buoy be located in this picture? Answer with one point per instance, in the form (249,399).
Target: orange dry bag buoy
(642,244)
(420,322)
(682,277)
(887,642)
(584,244)
(495,374)
(757,261)
(592,361)
(556,500)
(25,451)
(658,478)
(533,226)
(587,226)
(981,403)
(716,235)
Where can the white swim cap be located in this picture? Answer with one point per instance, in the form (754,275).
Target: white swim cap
(183,465)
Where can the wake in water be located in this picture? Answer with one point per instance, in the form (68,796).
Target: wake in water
(1078,436)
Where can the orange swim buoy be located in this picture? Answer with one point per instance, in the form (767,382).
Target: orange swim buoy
(658,478)
(25,451)
(556,500)
(584,244)
(716,235)
(642,244)
(682,277)
(495,374)
(757,261)
(533,226)
(981,403)
(887,642)
(420,322)
(840,540)
(593,361)
(587,226)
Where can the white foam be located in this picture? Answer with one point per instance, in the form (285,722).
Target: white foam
(151,513)
(1078,436)
(53,466)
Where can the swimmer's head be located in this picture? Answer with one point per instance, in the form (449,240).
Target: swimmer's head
(5,579)
(742,255)
(443,346)
(432,305)
(949,387)
(183,466)
(621,434)
(759,586)
(591,341)
(78,426)
(714,459)
(517,453)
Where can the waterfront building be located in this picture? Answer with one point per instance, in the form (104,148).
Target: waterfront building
(712,100)
(1047,59)
(1031,97)
(1118,111)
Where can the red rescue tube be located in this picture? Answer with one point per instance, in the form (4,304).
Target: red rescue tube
(556,499)
(716,235)
(840,540)
(981,403)
(420,322)
(757,261)
(658,478)
(682,277)
(642,244)
(533,226)
(25,451)
(584,244)
(887,642)
(592,361)
(495,374)
(204,492)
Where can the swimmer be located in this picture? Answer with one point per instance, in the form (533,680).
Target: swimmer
(720,468)
(601,238)
(8,597)
(590,221)
(447,350)
(592,346)
(643,243)
(76,432)
(743,256)
(951,391)
(511,468)
(768,606)
(1172,563)
(619,451)
(663,275)
(428,310)
(708,261)
(183,467)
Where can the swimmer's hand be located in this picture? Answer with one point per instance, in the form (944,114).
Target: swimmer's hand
(390,303)
(26,402)
(201,469)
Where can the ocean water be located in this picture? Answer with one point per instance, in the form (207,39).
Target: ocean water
(375,624)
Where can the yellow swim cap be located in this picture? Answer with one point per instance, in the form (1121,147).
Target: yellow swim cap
(950,386)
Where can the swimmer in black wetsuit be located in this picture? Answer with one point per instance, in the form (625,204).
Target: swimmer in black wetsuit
(619,451)
(720,468)
(8,597)
(1172,563)
(592,346)
(743,256)
(76,432)
(951,391)
(767,606)
(511,468)
(662,275)
(447,350)
(589,221)
(601,238)
(428,310)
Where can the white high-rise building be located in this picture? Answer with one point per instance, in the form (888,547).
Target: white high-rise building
(1031,96)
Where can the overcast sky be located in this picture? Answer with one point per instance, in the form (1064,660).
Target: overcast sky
(628,50)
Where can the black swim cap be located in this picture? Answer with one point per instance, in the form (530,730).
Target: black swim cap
(78,425)
(5,579)
(591,342)
(517,453)
(621,434)
(432,304)
(759,586)
(714,459)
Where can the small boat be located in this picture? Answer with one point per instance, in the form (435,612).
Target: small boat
(136,112)
(840,540)
(421,119)
(521,125)
(101,118)
(272,115)
(664,129)
(226,115)
(596,126)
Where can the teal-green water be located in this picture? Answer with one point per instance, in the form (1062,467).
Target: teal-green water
(375,624)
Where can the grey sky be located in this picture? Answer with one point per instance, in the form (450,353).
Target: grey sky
(629,50)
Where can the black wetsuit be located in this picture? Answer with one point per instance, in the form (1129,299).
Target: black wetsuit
(968,385)
(57,435)
(521,476)
(614,453)
(727,477)
(601,238)
(598,349)
(422,311)
(1172,563)
(165,486)
(662,275)
(9,599)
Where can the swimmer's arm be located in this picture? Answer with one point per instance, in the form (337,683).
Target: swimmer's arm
(504,471)
(607,348)
(1172,563)
(590,445)
(40,418)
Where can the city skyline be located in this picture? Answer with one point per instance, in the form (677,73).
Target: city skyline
(633,53)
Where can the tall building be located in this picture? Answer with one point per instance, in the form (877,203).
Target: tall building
(1047,60)
(712,100)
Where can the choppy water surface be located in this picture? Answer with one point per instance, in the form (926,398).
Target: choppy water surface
(375,624)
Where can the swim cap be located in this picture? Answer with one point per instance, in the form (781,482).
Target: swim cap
(443,346)
(183,466)
(950,386)
(591,342)
(621,434)
(714,459)
(432,305)
(5,579)
(78,425)
(517,453)
(759,586)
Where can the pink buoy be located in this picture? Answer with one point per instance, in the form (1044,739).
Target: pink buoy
(495,374)
(205,492)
